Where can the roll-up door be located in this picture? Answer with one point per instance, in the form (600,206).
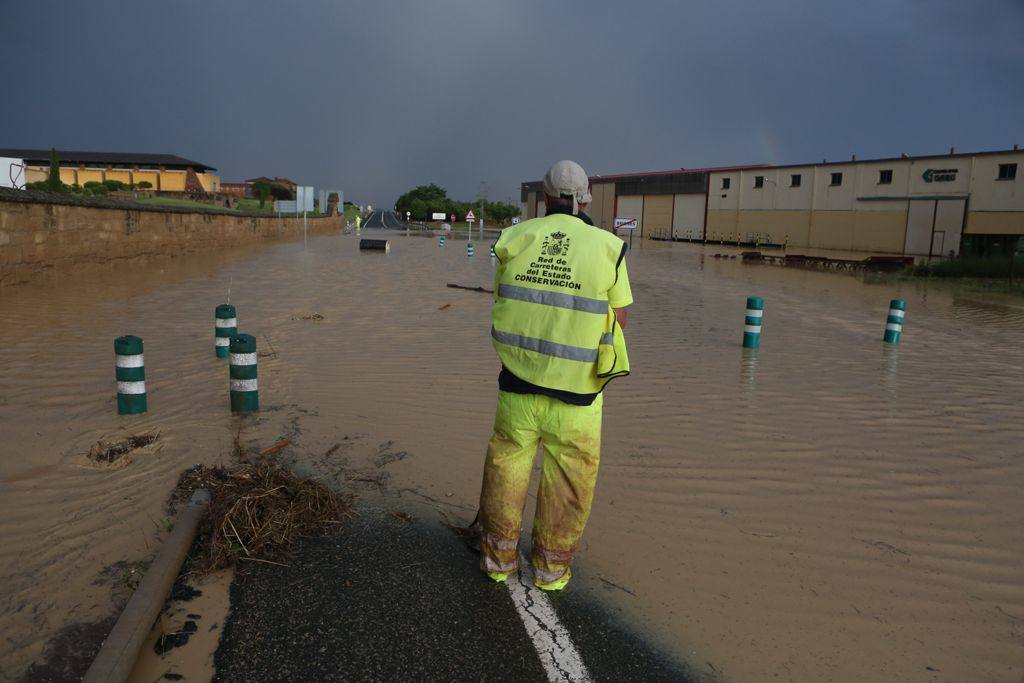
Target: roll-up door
(688,216)
(949,222)
(657,215)
(920,219)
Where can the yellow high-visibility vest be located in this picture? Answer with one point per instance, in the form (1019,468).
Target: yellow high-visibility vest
(551,323)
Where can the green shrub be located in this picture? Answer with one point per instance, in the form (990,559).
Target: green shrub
(87,192)
(113,185)
(92,183)
(100,189)
(144,184)
(970,266)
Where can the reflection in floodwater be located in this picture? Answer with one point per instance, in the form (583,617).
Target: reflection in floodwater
(800,523)
(890,363)
(748,371)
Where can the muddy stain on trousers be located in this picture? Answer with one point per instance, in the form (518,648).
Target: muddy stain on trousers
(571,436)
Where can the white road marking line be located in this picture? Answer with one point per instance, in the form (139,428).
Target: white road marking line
(557,653)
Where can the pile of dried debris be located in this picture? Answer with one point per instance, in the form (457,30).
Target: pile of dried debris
(256,510)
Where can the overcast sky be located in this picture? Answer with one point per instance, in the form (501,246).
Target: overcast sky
(374,97)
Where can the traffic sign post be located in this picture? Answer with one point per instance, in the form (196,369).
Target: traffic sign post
(469,224)
(629,224)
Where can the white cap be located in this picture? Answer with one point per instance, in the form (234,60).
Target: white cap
(568,178)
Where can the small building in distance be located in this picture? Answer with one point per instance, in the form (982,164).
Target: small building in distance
(237,189)
(290,184)
(934,205)
(165,172)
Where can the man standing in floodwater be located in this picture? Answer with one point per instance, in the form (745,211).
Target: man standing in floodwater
(560,298)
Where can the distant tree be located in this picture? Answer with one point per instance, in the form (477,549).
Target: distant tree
(53,181)
(418,209)
(143,184)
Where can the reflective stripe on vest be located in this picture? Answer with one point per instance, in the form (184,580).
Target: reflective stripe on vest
(548,348)
(559,299)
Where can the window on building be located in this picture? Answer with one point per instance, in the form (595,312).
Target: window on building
(759,181)
(1007,171)
(837,179)
(885,176)
(725,183)
(794,180)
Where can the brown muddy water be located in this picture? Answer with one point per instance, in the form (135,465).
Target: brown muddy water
(822,509)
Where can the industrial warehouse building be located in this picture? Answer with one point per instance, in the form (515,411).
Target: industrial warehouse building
(917,206)
(165,172)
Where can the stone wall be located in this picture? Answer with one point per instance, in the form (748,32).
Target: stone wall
(41,231)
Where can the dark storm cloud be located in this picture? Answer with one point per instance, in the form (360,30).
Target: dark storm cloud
(377,96)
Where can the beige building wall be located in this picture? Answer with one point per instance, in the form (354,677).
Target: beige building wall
(790,227)
(631,206)
(995,222)
(657,215)
(829,197)
(34,174)
(605,217)
(720,198)
(721,222)
(530,207)
(67,176)
(596,203)
(88,175)
(880,230)
(961,185)
(151,177)
(869,179)
(988,193)
(123,175)
(209,181)
(172,181)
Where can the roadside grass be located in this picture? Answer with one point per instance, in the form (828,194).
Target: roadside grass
(992,267)
(186,203)
(253,205)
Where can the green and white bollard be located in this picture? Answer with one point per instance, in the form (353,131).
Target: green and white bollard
(440,241)
(130,371)
(894,323)
(469,248)
(225,327)
(245,395)
(752,322)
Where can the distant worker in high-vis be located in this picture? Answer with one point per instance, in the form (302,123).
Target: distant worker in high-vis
(560,298)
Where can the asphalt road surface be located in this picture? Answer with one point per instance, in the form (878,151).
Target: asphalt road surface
(387,220)
(390,600)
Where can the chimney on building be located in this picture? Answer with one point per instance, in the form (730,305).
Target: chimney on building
(952,151)
(853,157)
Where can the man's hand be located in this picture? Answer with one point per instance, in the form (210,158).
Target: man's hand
(620,316)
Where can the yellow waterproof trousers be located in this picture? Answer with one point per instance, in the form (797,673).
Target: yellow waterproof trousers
(571,436)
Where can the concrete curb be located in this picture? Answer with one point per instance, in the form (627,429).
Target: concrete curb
(117,655)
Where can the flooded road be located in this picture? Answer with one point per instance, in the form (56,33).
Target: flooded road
(821,509)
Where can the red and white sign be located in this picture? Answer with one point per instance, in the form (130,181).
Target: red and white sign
(626,224)
(470,217)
